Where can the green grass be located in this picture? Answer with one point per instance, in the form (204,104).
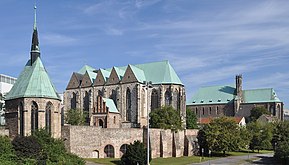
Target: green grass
(157,161)
(179,160)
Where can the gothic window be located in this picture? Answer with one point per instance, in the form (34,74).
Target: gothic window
(272,109)
(210,112)
(123,149)
(143,98)
(48,109)
(114,120)
(21,113)
(99,102)
(109,151)
(218,112)
(113,96)
(178,100)
(86,101)
(203,111)
(168,98)
(34,116)
(277,112)
(154,99)
(128,105)
(196,110)
(73,101)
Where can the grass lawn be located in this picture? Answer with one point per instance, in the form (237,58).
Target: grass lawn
(157,161)
(178,161)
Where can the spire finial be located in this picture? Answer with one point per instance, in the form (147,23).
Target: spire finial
(35,27)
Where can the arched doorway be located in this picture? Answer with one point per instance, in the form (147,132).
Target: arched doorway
(100,123)
(109,151)
(123,149)
(95,154)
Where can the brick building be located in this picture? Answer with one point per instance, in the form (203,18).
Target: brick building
(231,100)
(128,89)
(33,102)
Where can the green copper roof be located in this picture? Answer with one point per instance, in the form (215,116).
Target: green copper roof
(110,104)
(92,75)
(140,76)
(213,95)
(33,82)
(105,73)
(160,73)
(157,72)
(260,95)
(86,68)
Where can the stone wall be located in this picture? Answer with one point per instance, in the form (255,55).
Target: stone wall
(88,142)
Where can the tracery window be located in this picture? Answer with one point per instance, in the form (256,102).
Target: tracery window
(34,116)
(22,119)
(128,105)
(154,99)
(48,109)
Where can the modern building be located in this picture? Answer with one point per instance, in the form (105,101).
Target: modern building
(122,97)
(232,100)
(6,83)
(33,102)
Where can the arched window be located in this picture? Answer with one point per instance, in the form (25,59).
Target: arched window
(178,94)
(272,109)
(128,105)
(196,110)
(99,102)
(109,151)
(100,123)
(21,118)
(218,112)
(73,101)
(34,116)
(123,149)
(154,99)
(210,112)
(278,110)
(113,96)
(114,119)
(48,109)
(143,103)
(168,98)
(86,101)
(203,111)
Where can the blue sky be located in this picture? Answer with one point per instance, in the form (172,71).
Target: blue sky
(207,42)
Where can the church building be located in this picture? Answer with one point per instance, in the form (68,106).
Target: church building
(122,97)
(33,102)
(229,100)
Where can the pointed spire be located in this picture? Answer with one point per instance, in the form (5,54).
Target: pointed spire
(35,50)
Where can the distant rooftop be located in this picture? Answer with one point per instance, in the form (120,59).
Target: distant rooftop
(7,79)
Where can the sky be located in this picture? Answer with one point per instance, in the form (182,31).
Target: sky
(207,42)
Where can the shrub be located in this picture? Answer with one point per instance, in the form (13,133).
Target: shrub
(136,153)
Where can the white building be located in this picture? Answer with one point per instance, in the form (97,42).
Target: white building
(6,83)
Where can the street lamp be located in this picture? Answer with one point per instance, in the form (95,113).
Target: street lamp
(148,85)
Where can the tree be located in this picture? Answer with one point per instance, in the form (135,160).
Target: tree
(222,134)
(256,112)
(281,141)
(136,153)
(261,135)
(165,118)
(191,120)
(74,117)
(7,154)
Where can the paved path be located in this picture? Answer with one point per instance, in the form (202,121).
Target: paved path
(91,163)
(260,159)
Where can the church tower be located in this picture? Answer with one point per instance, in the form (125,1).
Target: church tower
(239,93)
(33,102)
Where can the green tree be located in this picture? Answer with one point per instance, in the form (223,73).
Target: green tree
(74,117)
(222,134)
(165,118)
(7,154)
(281,141)
(256,112)
(261,135)
(54,149)
(191,119)
(136,153)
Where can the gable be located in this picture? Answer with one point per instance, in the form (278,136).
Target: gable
(129,76)
(99,80)
(113,77)
(86,81)
(75,81)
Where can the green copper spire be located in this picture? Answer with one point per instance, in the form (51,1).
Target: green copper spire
(35,50)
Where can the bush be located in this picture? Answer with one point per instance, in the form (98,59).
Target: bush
(75,117)
(7,154)
(27,147)
(136,153)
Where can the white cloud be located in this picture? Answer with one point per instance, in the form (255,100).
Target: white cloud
(57,39)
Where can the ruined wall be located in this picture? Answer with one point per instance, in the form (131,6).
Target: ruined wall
(88,142)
